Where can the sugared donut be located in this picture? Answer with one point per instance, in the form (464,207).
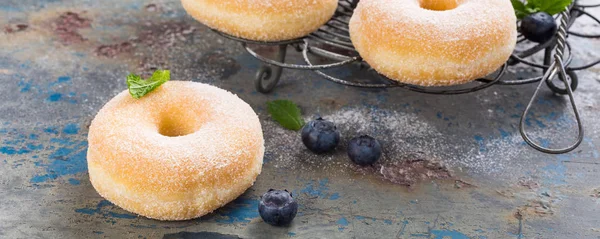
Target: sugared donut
(434,42)
(178,153)
(262,20)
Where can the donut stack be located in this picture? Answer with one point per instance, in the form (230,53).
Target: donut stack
(419,42)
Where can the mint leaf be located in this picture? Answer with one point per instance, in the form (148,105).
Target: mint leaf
(549,6)
(533,4)
(286,113)
(553,6)
(138,87)
(519,7)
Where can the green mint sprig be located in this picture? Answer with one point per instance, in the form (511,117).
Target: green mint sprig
(286,113)
(532,6)
(139,87)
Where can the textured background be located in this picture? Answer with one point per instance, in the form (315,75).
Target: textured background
(468,168)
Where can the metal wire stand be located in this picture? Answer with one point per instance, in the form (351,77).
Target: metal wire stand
(332,42)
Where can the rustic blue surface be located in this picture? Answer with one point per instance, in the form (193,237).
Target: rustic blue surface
(58,72)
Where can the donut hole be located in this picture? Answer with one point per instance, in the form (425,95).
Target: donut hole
(174,127)
(175,123)
(439,5)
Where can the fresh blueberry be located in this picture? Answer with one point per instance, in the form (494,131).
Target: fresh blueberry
(364,150)
(277,207)
(538,27)
(320,136)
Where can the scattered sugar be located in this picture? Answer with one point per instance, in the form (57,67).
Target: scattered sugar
(401,134)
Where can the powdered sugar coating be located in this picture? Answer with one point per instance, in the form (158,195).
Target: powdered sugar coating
(137,161)
(262,20)
(408,43)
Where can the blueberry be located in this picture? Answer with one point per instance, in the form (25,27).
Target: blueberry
(277,207)
(538,27)
(320,136)
(364,150)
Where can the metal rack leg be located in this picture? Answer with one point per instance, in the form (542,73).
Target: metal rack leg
(572,76)
(548,56)
(268,76)
(556,68)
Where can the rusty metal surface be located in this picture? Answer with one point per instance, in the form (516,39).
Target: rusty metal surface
(470,174)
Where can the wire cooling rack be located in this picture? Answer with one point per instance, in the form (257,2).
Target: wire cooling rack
(332,43)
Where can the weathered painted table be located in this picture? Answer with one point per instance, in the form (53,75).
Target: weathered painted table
(61,60)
